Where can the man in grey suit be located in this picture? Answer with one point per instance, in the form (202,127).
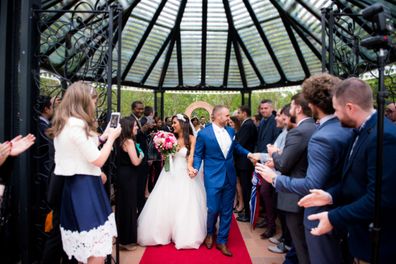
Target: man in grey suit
(326,155)
(293,161)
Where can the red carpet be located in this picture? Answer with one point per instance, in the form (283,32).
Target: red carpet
(170,255)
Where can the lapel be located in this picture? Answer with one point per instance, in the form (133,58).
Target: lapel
(363,136)
(231,134)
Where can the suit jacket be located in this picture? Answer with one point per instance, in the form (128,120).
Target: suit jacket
(293,162)
(327,150)
(267,134)
(216,166)
(141,138)
(247,137)
(356,193)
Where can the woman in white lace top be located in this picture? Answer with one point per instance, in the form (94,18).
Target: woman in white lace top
(87,221)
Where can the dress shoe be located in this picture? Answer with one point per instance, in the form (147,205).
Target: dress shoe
(280,248)
(274,240)
(261,224)
(209,241)
(243,218)
(239,211)
(224,249)
(268,233)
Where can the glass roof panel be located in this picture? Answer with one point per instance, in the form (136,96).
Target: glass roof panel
(268,56)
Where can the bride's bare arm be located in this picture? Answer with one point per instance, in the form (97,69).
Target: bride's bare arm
(191,156)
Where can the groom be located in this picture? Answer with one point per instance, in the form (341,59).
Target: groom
(215,145)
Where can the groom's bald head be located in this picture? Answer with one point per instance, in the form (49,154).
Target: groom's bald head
(221,115)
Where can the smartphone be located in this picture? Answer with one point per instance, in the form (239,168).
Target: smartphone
(114,119)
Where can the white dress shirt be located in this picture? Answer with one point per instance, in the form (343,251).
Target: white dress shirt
(223,138)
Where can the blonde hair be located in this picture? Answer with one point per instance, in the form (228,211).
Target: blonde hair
(77,102)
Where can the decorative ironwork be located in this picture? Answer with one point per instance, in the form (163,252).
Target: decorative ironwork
(344,31)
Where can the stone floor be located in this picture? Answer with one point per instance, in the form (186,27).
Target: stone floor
(257,248)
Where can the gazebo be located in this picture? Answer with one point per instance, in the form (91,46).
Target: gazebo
(164,45)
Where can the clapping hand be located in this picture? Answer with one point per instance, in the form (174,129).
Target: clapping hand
(315,198)
(21,144)
(5,150)
(265,172)
(324,225)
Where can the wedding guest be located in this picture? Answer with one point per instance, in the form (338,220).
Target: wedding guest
(238,202)
(141,138)
(9,212)
(390,112)
(128,158)
(247,137)
(352,199)
(87,221)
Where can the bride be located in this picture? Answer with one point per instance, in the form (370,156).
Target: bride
(176,208)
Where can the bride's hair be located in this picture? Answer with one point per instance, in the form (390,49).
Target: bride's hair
(185,126)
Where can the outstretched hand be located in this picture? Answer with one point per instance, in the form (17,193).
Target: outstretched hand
(265,172)
(324,223)
(254,157)
(21,144)
(315,198)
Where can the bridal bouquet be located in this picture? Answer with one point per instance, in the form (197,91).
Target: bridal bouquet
(165,143)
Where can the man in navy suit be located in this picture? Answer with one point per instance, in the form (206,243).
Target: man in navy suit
(354,195)
(327,150)
(215,146)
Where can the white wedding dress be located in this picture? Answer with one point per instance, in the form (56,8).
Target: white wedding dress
(176,208)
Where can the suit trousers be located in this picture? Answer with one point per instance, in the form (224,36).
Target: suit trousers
(294,222)
(268,195)
(324,249)
(220,202)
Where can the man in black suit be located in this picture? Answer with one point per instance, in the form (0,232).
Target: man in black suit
(247,137)
(267,134)
(137,108)
(292,161)
(354,195)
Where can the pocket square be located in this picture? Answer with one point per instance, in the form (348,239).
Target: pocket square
(233,138)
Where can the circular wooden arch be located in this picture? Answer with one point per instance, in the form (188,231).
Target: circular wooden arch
(196,105)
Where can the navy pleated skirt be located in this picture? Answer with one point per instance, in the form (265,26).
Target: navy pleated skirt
(87,221)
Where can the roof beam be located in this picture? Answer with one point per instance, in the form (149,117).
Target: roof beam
(250,59)
(176,30)
(265,40)
(310,10)
(125,17)
(143,39)
(296,47)
(227,60)
(161,50)
(203,45)
(232,32)
(179,59)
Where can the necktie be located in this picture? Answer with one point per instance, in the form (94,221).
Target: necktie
(356,132)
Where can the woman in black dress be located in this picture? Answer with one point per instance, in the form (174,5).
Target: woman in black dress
(129,156)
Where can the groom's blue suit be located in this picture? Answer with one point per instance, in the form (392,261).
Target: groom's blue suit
(219,178)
